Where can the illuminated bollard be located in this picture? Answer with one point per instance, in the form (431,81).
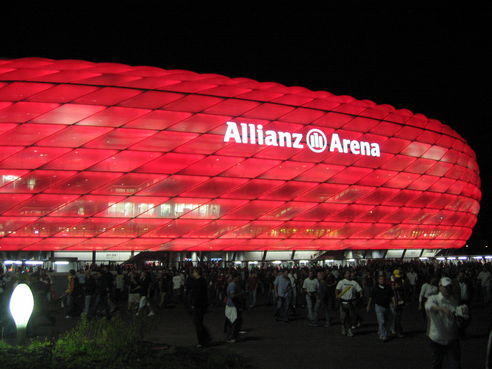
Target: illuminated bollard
(21,306)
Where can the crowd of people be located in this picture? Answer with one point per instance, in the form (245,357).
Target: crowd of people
(328,294)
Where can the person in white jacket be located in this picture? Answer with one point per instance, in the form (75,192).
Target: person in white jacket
(444,316)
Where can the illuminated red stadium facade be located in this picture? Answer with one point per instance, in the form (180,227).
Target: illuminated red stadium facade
(113,157)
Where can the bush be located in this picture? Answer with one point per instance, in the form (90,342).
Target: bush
(104,343)
(36,355)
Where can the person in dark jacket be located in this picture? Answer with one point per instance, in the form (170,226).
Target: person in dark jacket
(89,292)
(101,293)
(71,294)
(198,295)
(40,291)
(145,284)
(383,297)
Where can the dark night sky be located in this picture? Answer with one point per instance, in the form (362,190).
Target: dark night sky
(434,60)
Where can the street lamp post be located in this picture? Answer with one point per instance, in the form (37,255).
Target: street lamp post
(21,306)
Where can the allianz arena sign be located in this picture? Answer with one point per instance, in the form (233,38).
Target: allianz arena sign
(315,140)
(105,156)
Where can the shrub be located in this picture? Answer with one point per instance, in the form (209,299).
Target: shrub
(104,343)
(35,355)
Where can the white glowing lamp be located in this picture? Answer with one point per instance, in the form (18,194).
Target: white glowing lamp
(21,306)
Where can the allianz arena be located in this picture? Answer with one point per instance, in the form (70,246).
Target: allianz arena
(103,156)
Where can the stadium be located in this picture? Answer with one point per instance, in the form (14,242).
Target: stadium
(105,160)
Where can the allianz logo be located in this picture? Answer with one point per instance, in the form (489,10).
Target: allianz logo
(316,140)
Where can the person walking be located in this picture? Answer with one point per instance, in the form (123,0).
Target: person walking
(331,284)
(464,289)
(382,296)
(199,303)
(293,292)
(133,291)
(145,290)
(412,284)
(119,282)
(485,278)
(163,285)
(89,292)
(45,278)
(233,309)
(71,294)
(39,289)
(252,285)
(283,291)
(428,289)
(178,284)
(445,316)
(399,304)
(101,304)
(347,291)
(324,310)
(310,287)
(270,287)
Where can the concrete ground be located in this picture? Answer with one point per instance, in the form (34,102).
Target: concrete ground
(295,345)
(270,344)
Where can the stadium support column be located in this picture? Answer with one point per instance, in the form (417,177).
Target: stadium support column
(93,257)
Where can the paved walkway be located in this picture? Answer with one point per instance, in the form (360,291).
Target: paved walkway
(270,344)
(274,345)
